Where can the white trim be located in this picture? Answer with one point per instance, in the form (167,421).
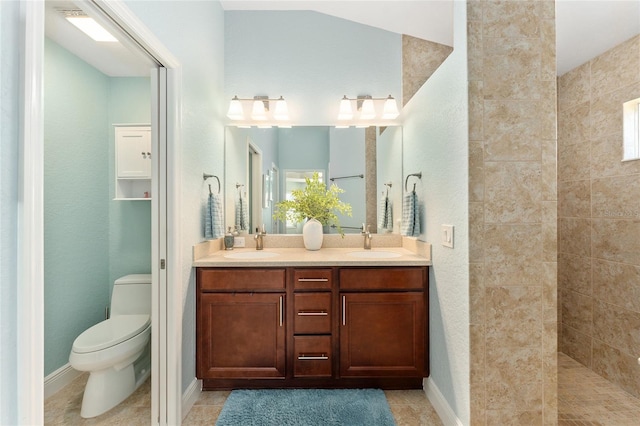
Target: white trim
(60,378)
(440,404)
(190,396)
(30,282)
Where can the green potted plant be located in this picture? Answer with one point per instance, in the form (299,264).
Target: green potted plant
(318,205)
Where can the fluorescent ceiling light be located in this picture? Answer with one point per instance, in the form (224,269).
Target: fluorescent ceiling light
(91,28)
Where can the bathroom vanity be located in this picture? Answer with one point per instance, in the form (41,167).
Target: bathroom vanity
(312,319)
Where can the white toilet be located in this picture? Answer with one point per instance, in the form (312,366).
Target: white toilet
(116,352)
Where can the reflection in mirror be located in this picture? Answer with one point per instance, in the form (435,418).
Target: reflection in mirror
(365,163)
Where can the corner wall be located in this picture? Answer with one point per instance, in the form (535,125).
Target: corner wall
(435,142)
(512,212)
(598,212)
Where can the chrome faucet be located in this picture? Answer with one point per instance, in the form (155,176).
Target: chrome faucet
(259,237)
(367,236)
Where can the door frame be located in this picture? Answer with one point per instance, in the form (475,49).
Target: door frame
(166,383)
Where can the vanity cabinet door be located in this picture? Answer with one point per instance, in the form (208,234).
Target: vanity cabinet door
(240,335)
(383,335)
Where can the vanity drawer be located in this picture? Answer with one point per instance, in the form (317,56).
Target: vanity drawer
(312,279)
(411,278)
(312,313)
(312,356)
(237,279)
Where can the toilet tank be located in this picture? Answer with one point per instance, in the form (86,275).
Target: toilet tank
(131,295)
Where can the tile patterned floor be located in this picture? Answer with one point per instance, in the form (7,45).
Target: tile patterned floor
(409,408)
(587,399)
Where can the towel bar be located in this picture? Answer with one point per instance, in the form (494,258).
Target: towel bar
(206,176)
(418,175)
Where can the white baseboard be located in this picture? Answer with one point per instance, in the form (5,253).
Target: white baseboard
(440,404)
(190,396)
(59,379)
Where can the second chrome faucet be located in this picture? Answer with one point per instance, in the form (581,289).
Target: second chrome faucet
(259,237)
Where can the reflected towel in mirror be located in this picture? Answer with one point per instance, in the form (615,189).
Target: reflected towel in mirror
(385,215)
(213,219)
(410,215)
(242,214)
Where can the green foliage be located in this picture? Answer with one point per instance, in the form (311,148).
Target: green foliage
(314,201)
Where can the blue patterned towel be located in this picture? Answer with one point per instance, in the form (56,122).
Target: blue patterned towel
(410,215)
(213,217)
(242,213)
(385,221)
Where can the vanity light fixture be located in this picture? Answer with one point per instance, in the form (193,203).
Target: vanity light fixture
(87,25)
(366,108)
(259,109)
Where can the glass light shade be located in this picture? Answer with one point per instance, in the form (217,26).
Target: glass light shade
(390,109)
(235,111)
(368,111)
(91,28)
(345,113)
(258,112)
(282,111)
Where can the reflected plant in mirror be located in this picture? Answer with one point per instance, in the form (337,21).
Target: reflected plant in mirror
(314,201)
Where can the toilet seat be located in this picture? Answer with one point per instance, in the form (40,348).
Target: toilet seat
(110,332)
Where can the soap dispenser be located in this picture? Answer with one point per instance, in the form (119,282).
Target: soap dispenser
(229,240)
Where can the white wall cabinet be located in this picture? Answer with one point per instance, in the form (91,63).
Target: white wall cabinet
(133,162)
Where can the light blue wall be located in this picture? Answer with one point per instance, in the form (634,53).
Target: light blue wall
(303,148)
(76,200)
(311,59)
(9,116)
(129,221)
(436,143)
(193,31)
(90,240)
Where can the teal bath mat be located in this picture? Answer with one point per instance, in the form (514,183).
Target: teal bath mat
(306,407)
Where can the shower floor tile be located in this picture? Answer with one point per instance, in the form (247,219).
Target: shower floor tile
(587,399)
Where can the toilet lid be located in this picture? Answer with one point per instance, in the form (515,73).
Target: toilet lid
(110,332)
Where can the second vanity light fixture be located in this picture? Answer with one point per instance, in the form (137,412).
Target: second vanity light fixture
(260,107)
(366,107)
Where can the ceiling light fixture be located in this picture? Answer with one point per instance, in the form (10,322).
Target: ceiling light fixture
(260,107)
(88,25)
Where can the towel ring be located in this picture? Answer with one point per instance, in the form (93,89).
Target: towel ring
(206,176)
(418,175)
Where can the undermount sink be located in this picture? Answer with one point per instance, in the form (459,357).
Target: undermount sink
(251,255)
(369,254)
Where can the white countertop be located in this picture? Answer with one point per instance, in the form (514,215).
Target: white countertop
(301,257)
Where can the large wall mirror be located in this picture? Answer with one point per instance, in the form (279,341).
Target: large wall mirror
(262,166)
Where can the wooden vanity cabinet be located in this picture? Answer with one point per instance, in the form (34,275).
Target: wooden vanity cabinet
(312,327)
(240,330)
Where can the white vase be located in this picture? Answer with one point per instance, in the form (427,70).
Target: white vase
(312,234)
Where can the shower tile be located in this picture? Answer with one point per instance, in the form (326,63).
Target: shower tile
(606,157)
(574,87)
(615,68)
(476,172)
(617,327)
(512,255)
(616,197)
(512,192)
(550,292)
(617,284)
(574,124)
(574,236)
(576,345)
(577,311)
(574,273)
(617,367)
(617,240)
(474,49)
(574,198)
(549,170)
(476,294)
(606,111)
(572,159)
(476,232)
(477,363)
(511,19)
(513,316)
(548,49)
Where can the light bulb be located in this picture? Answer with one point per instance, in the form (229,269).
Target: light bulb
(368,111)
(258,112)
(390,109)
(235,111)
(345,113)
(282,111)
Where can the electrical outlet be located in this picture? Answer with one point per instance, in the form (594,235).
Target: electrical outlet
(447,235)
(238,242)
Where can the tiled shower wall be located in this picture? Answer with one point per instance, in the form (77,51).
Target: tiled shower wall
(512,209)
(599,218)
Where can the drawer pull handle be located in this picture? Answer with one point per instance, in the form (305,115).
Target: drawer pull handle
(304,357)
(312,314)
(313,280)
